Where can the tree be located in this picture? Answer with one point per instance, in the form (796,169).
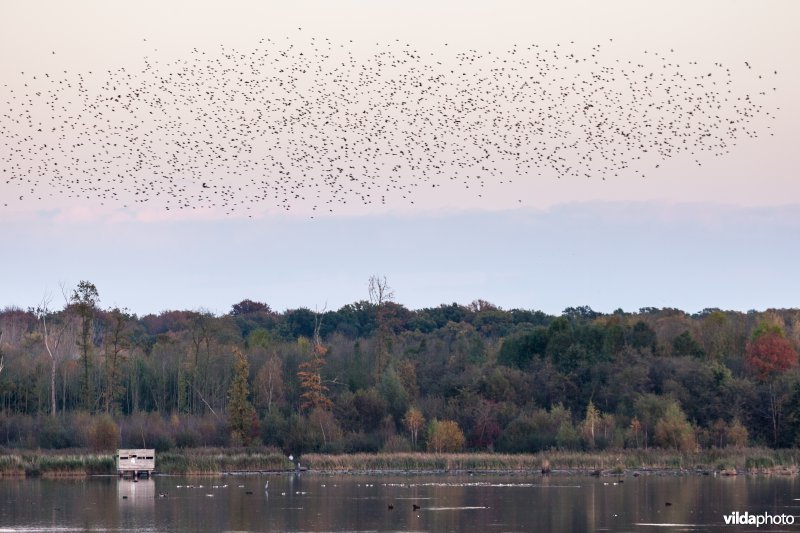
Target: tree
(325,421)
(195,370)
(245,307)
(649,409)
(635,431)
(445,437)
(380,295)
(737,434)
(270,382)
(714,334)
(392,390)
(241,414)
(590,423)
(674,431)
(413,422)
(314,393)
(104,434)
(84,300)
(643,336)
(684,344)
(769,354)
(379,290)
(117,342)
(52,347)
(486,428)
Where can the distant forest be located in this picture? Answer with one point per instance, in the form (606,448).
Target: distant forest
(377,376)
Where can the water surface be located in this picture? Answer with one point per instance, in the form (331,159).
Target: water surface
(310,502)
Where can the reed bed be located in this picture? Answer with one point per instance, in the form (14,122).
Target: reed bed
(220,460)
(752,460)
(38,463)
(206,461)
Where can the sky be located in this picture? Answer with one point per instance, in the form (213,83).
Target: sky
(713,228)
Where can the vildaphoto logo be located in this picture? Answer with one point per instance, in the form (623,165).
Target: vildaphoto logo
(764,519)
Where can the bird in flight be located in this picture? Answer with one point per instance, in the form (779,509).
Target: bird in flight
(324,125)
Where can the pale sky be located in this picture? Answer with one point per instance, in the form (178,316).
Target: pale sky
(719,234)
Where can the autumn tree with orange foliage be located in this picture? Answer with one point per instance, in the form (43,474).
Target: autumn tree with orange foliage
(315,393)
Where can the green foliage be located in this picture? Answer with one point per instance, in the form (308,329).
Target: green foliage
(84,299)
(567,437)
(519,349)
(643,336)
(766,328)
(514,380)
(685,344)
(674,431)
(393,392)
(371,407)
(259,337)
(54,434)
(241,414)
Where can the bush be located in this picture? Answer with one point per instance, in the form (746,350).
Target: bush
(674,431)
(362,443)
(273,428)
(104,435)
(55,435)
(396,444)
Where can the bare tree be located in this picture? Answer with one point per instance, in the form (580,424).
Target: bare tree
(380,293)
(379,290)
(42,312)
(269,382)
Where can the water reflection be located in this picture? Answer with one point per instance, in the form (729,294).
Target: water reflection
(138,493)
(390,503)
(135,504)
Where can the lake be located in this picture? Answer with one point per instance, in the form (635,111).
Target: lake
(311,502)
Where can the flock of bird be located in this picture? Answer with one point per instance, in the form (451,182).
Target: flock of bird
(324,124)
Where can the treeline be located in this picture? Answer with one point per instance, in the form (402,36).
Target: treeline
(376,376)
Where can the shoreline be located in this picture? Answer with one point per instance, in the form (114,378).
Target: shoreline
(267,461)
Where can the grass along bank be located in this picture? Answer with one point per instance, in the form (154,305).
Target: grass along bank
(46,464)
(745,460)
(189,461)
(213,461)
(192,461)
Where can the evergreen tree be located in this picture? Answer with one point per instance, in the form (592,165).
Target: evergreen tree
(241,413)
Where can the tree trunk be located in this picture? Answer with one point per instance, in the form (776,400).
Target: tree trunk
(52,369)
